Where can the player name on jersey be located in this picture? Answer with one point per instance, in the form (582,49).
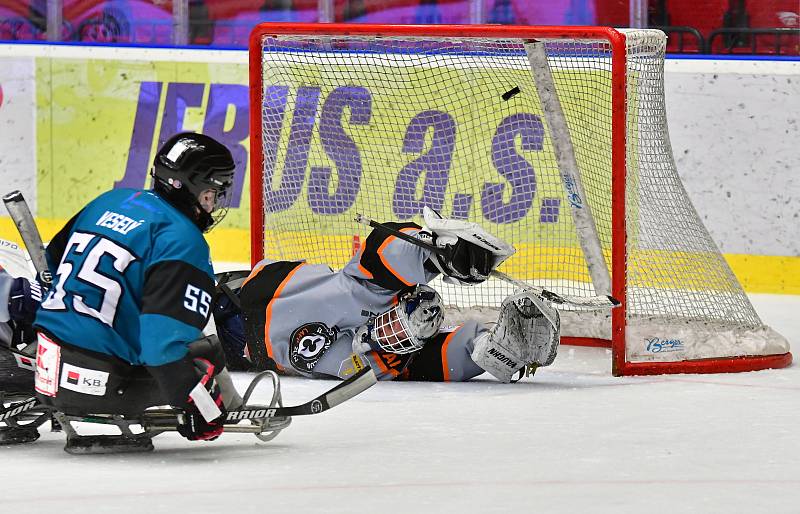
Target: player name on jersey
(117,222)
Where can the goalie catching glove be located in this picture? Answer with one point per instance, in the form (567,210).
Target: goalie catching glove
(470,253)
(528,331)
(204,415)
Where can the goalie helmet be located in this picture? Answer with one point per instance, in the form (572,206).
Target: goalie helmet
(194,172)
(405,327)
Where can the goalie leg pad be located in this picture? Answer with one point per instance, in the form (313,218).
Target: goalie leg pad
(527,332)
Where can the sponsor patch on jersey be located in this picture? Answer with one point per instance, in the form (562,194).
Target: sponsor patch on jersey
(83,380)
(48,360)
(392,363)
(308,343)
(350,366)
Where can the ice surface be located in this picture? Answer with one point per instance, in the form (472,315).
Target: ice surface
(574,439)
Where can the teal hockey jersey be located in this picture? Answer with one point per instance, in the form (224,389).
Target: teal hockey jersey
(133,279)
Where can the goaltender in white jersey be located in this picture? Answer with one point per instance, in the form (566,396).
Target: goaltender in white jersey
(306,319)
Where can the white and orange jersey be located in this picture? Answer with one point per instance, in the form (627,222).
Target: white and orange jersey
(301,318)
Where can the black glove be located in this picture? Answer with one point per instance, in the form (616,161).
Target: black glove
(205,401)
(465,261)
(24,299)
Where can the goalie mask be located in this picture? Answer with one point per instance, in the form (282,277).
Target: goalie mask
(194,172)
(405,327)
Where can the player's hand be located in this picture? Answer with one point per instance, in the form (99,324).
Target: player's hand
(464,261)
(194,427)
(470,252)
(204,416)
(24,299)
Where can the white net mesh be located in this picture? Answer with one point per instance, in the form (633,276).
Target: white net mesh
(385,125)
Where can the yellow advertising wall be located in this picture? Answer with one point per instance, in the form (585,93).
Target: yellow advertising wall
(93,114)
(99,118)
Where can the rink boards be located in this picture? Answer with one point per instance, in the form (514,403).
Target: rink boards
(85,120)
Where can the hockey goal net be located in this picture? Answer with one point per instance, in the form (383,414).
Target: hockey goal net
(553,138)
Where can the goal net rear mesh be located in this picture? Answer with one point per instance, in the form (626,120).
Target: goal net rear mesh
(383,126)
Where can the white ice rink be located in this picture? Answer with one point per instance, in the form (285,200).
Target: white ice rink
(573,440)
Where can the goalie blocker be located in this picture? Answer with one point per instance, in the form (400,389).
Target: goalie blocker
(468,253)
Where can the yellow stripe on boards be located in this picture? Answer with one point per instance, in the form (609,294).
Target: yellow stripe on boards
(757,273)
(766,273)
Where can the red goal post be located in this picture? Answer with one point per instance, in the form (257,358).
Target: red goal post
(288,60)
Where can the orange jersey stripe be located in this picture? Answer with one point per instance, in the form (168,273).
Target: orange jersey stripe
(382,365)
(445,366)
(386,263)
(268,316)
(254,273)
(361,268)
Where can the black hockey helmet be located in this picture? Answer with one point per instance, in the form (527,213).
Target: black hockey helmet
(194,172)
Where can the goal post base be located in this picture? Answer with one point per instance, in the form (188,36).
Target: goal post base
(725,365)
(701,366)
(590,342)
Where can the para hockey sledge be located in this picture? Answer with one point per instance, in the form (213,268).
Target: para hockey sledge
(21,415)
(263,421)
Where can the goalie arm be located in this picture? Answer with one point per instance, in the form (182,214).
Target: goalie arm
(388,261)
(462,251)
(601,302)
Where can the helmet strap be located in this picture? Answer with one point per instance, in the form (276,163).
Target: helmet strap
(184,202)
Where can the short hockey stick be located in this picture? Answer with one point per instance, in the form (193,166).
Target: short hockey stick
(347,389)
(26,225)
(358,383)
(17,408)
(584,302)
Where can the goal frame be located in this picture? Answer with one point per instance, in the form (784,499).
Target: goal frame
(616,39)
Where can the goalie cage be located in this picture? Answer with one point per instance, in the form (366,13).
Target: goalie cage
(553,138)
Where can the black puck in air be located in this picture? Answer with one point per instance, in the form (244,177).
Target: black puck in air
(511,93)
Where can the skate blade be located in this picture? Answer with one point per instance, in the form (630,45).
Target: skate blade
(18,435)
(101,444)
